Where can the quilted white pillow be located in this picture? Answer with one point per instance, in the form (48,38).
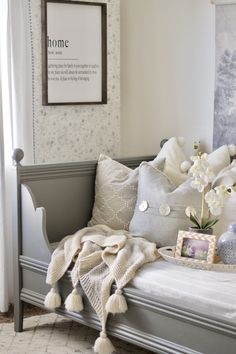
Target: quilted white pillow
(115,193)
(160,208)
(174,157)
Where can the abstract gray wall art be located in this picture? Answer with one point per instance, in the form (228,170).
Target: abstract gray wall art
(225,86)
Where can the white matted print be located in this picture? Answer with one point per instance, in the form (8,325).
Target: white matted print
(74,52)
(196,247)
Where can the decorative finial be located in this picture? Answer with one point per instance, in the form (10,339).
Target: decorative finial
(17,156)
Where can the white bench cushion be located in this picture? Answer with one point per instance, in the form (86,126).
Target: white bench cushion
(206,292)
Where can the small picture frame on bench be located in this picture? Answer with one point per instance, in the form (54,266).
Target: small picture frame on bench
(195,247)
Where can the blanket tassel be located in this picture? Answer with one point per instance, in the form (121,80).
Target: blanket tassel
(116,303)
(73,302)
(52,299)
(103,345)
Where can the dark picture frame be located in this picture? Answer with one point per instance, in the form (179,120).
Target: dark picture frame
(74,52)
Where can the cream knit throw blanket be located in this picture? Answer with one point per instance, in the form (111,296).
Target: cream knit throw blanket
(100,256)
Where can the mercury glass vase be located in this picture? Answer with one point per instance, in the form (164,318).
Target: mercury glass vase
(227,245)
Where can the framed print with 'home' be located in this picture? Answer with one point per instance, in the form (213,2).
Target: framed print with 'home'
(74,49)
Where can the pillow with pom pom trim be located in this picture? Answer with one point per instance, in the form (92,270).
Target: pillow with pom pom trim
(175,160)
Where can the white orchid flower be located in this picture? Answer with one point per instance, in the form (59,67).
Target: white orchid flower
(204,157)
(199,184)
(215,210)
(210,196)
(210,174)
(190,211)
(222,191)
(215,202)
(201,168)
(197,171)
(194,158)
(202,177)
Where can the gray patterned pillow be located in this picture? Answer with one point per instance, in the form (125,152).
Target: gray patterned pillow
(160,208)
(115,193)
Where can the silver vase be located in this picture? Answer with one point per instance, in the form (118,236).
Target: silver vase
(227,245)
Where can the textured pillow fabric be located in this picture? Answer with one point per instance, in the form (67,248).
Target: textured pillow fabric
(174,156)
(226,176)
(219,158)
(115,193)
(160,208)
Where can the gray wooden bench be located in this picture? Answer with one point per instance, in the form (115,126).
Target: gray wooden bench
(55,200)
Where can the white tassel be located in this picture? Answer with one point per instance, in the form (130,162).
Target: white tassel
(52,299)
(116,303)
(103,345)
(74,302)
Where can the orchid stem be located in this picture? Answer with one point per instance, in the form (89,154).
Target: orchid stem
(202,208)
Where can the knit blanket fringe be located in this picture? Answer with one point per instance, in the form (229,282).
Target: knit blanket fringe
(99,257)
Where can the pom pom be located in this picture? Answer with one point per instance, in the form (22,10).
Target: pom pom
(74,302)
(232,149)
(52,299)
(116,303)
(185,166)
(103,345)
(181,141)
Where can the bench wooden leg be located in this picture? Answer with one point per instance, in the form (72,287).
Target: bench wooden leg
(18,315)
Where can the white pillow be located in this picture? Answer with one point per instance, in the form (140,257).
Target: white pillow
(115,193)
(226,176)
(160,208)
(219,159)
(176,160)
(174,157)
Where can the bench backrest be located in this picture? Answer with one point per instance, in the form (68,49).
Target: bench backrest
(66,191)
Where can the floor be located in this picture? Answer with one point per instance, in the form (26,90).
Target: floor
(50,333)
(29,311)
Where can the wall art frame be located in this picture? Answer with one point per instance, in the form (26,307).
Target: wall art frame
(74,52)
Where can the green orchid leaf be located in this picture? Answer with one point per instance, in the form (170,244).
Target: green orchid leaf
(204,223)
(210,223)
(195,220)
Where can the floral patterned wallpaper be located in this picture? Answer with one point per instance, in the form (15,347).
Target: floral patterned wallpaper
(76,132)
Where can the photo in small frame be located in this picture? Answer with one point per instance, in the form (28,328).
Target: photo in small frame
(196,247)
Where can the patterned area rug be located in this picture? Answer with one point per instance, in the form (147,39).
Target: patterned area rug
(54,334)
(29,310)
